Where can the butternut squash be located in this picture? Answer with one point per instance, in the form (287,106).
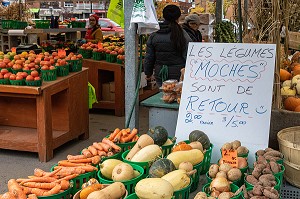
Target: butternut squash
(114,191)
(147,154)
(154,188)
(144,140)
(179,178)
(107,167)
(193,156)
(122,172)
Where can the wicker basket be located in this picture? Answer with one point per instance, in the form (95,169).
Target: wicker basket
(292,173)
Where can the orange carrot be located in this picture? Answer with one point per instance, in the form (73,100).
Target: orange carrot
(96,159)
(124,132)
(135,138)
(69,177)
(127,130)
(39,179)
(26,190)
(53,191)
(110,154)
(86,153)
(70,170)
(123,139)
(37,191)
(97,146)
(101,153)
(113,135)
(131,135)
(89,168)
(67,163)
(32,196)
(52,174)
(75,157)
(105,147)
(85,160)
(93,150)
(118,137)
(65,184)
(8,195)
(47,185)
(110,143)
(16,189)
(39,172)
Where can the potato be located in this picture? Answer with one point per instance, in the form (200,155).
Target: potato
(257,171)
(225,167)
(221,174)
(271,193)
(260,152)
(227,146)
(268,149)
(267,180)
(241,150)
(267,171)
(225,195)
(274,154)
(272,158)
(251,179)
(200,195)
(213,170)
(258,190)
(236,144)
(234,174)
(274,167)
(261,160)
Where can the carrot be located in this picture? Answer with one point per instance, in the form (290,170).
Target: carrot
(39,179)
(16,189)
(65,184)
(123,139)
(110,154)
(127,130)
(89,168)
(93,150)
(105,147)
(101,153)
(97,146)
(37,191)
(8,195)
(69,177)
(135,138)
(131,135)
(53,173)
(39,172)
(47,185)
(113,135)
(67,163)
(26,190)
(53,191)
(86,153)
(117,137)
(110,143)
(75,157)
(32,196)
(124,132)
(70,170)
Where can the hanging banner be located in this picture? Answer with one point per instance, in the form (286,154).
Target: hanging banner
(116,12)
(227,93)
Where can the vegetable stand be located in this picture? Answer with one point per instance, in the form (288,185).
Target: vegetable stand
(162,114)
(40,119)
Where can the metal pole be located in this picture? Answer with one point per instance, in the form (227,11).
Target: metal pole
(246,15)
(240,21)
(131,66)
(219,11)
(91,7)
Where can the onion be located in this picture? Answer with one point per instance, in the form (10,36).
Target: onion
(187,166)
(215,193)
(242,162)
(220,184)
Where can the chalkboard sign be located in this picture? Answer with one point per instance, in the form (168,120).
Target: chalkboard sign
(227,93)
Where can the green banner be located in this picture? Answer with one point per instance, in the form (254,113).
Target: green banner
(116,12)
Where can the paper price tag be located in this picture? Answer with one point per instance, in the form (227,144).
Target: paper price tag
(100,46)
(230,157)
(61,53)
(14,50)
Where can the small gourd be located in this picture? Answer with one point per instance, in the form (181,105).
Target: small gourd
(200,136)
(161,167)
(159,134)
(182,146)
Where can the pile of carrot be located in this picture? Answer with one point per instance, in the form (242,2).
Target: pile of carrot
(124,135)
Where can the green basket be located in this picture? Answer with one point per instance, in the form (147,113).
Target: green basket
(66,194)
(7,24)
(119,61)
(17,82)
(98,56)
(78,24)
(279,175)
(16,71)
(206,160)
(42,24)
(86,54)
(144,165)
(33,83)
(4,81)
(80,180)
(27,71)
(75,65)
(195,177)
(111,58)
(129,184)
(166,150)
(238,183)
(20,25)
(280,161)
(62,70)
(233,189)
(277,186)
(49,75)
(183,193)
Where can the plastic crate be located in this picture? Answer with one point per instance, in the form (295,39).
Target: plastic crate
(7,24)
(75,65)
(119,61)
(111,58)
(166,150)
(195,177)
(63,70)
(20,25)
(4,81)
(279,175)
(17,82)
(42,24)
(129,184)
(183,193)
(144,165)
(49,75)
(233,189)
(16,71)
(33,83)
(98,56)
(86,54)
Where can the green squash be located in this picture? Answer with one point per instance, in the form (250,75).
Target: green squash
(161,167)
(200,136)
(159,134)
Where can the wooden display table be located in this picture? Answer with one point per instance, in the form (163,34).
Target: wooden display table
(101,72)
(40,119)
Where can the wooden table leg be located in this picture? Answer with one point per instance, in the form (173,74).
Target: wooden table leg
(119,92)
(44,127)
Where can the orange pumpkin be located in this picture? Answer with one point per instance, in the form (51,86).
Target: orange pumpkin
(285,75)
(296,72)
(296,67)
(297,109)
(291,103)
(182,146)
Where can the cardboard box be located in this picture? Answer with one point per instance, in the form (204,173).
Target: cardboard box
(206,30)
(112,87)
(206,18)
(105,94)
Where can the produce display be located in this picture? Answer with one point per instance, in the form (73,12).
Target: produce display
(124,135)
(242,151)
(171,91)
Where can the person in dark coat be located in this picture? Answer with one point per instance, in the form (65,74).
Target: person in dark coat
(167,48)
(191,26)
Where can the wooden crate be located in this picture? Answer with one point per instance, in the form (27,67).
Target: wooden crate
(294,40)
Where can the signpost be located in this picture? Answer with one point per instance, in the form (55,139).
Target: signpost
(227,93)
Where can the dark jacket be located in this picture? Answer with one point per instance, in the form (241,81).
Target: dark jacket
(195,35)
(160,52)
